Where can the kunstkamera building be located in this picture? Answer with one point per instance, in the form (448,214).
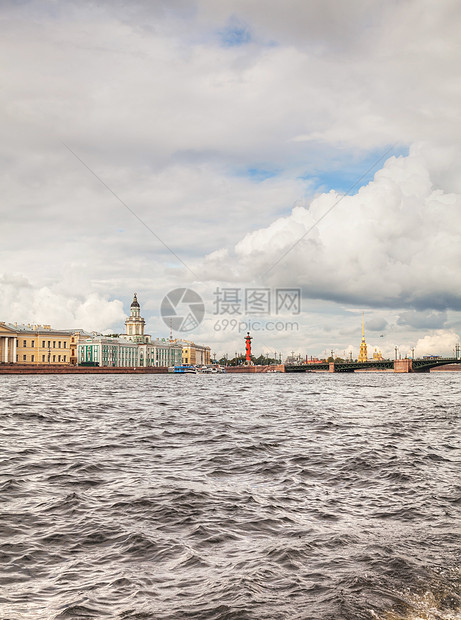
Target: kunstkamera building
(132,349)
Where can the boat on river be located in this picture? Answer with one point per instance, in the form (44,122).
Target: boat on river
(183,369)
(211,370)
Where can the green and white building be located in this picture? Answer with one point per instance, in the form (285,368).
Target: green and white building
(133,349)
(105,351)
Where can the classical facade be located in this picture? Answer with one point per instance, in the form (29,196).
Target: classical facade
(37,344)
(112,351)
(8,343)
(195,354)
(40,344)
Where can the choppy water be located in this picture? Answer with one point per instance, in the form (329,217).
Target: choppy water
(230,497)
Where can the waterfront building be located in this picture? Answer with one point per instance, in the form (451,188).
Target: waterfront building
(363,355)
(195,354)
(8,343)
(132,349)
(107,351)
(37,344)
(167,352)
(295,359)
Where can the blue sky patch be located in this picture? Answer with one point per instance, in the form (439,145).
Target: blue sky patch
(257,174)
(234,35)
(349,172)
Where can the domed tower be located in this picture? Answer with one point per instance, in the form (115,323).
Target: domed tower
(135,323)
(363,355)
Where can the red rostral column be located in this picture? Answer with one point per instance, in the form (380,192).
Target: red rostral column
(248,340)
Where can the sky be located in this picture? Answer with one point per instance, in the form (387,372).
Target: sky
(237,149)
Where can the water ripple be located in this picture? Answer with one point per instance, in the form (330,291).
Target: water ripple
(282,497)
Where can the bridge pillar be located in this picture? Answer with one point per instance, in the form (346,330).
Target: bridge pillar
(403,365)
(331,367)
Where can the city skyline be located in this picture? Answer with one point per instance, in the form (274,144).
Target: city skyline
(352,352)
(155,146)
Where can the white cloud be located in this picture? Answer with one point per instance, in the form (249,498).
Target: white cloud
(185,128)
(394,244)
(22,302)
(440,342)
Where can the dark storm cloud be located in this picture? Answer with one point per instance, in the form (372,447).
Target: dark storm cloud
(423,320)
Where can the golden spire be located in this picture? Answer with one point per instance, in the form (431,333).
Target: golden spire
(363,355)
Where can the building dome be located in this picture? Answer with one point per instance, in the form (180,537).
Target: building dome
(134,303)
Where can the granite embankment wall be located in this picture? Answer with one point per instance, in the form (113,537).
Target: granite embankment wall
(50,369)
(253,369)
(45,369)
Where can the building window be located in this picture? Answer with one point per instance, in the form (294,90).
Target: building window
(24,358)
(32,343)
(59,358)
(49,344)
(59,344)
(43,358)
(24,343)
(64,358)
(54,358)
(65,345)
(54,344)
(43,344)
(32,358)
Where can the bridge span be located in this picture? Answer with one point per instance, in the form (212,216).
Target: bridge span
(405,365)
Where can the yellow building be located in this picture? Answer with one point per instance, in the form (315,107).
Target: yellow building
(37,344)
(195,354)
(363,355)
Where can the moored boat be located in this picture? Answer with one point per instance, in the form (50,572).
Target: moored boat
(183,369)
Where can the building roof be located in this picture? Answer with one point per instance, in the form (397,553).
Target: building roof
(40,329)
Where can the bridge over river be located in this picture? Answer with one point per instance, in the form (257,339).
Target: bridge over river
(405,365)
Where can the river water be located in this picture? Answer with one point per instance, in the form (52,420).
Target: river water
(218,497)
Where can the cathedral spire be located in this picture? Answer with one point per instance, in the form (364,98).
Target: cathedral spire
(363,355)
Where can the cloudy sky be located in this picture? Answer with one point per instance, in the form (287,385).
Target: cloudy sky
(150,145)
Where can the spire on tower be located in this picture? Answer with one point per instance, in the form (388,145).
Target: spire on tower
(363,354)
(135,323)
